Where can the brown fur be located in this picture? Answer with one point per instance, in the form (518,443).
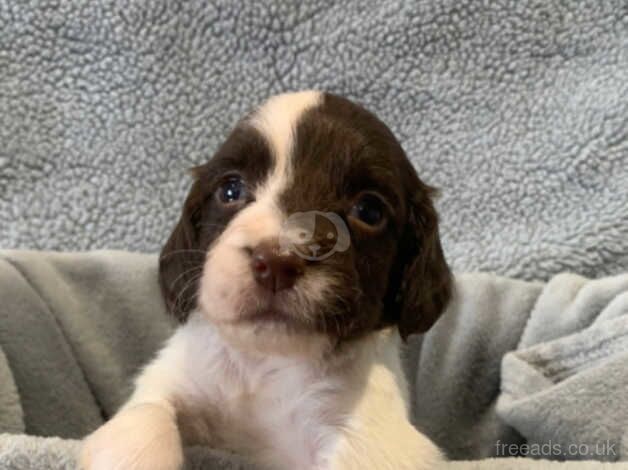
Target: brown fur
(397,275)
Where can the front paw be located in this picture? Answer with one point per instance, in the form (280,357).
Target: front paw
(144,437)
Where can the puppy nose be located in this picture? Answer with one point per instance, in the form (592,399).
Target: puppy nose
(273,270)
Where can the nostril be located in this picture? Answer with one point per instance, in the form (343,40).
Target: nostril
(260,267)
(274,270)
(286,276)
(292,272)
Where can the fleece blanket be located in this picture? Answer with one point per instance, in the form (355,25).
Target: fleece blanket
(36,453)
(517,110)
(512,369)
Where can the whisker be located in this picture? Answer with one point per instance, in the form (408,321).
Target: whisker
(188,284)
(179,298)
(176,252)
(185,273)
(212,225)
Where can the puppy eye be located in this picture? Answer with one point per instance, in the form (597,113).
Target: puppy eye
(370,210)
(232,190)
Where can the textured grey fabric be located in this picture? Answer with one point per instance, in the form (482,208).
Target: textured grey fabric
(541,368)
(517,109)
(74,328)
(569,372)
(455,368)
(36,453)
(11,414)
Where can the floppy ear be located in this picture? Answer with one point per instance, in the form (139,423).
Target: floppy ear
(424,279)
(181,261)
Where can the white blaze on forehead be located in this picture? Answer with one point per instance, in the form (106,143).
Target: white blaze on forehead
(276,120)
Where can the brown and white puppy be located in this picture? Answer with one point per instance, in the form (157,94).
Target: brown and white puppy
(307,248)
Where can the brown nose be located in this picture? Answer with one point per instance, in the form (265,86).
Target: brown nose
(273,270)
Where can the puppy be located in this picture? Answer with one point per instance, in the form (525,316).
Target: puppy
(307,249)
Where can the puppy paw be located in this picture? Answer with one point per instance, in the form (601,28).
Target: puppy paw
(144,437)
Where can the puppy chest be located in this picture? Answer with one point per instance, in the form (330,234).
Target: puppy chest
(282,421)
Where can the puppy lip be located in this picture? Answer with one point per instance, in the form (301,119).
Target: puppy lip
(268,315)
(272,315)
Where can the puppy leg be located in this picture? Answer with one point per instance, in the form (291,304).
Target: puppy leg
(139,437)
(143,435)
(378,434)
(402,448)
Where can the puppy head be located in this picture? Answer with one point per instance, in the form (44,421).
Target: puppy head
(308,227)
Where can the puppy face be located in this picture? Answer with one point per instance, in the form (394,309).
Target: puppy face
(308,227)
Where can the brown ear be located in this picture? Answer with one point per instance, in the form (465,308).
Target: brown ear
(181,261)
(425,282)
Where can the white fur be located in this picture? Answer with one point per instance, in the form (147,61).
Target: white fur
(276,120)
(286,398)
(346,410)
(227,284)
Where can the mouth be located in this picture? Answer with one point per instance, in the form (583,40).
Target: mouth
(272,315)
(267,316)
